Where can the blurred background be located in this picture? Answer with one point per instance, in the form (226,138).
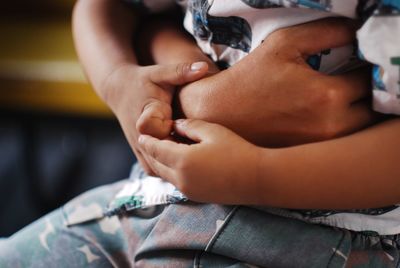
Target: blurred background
(57,139)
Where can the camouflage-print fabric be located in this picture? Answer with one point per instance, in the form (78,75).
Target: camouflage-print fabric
(188,235)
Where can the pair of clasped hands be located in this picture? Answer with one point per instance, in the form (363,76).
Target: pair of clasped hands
(271,98)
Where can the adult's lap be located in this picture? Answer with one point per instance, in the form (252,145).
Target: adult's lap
(186,235)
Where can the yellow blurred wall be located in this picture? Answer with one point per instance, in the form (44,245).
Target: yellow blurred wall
(39,70)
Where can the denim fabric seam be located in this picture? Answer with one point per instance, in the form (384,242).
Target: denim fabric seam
(395,239)
(199,254)
(149,232)
(336,249)
(196,261)
(216,236)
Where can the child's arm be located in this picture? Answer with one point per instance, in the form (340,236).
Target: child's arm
(103,31)
(357,171)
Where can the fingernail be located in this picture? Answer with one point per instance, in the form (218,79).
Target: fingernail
(141,139)
(180,121)
(197,66)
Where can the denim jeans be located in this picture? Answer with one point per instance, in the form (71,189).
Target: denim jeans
(187,235)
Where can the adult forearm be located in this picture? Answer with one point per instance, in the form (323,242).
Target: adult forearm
(357,171)
(103,32)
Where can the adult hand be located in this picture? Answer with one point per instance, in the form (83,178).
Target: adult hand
(273,98)
(146,92)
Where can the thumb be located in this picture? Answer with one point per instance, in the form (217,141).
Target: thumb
(198,130)
(155,119)
(179,74)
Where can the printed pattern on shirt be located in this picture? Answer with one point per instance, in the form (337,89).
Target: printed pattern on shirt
(231,31)
(379,40)
(261,3)
(386,8)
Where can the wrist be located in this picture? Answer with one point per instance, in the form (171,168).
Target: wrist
(109,87)
(250,187)
(264,174)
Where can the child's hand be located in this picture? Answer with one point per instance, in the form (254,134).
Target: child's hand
(147,92)
(221,167)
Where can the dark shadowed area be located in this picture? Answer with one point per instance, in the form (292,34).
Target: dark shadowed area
(57,139)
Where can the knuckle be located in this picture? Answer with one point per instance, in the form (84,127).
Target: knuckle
(152,150)
(180,71)
(330,129)
(331,97)
(325,102)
